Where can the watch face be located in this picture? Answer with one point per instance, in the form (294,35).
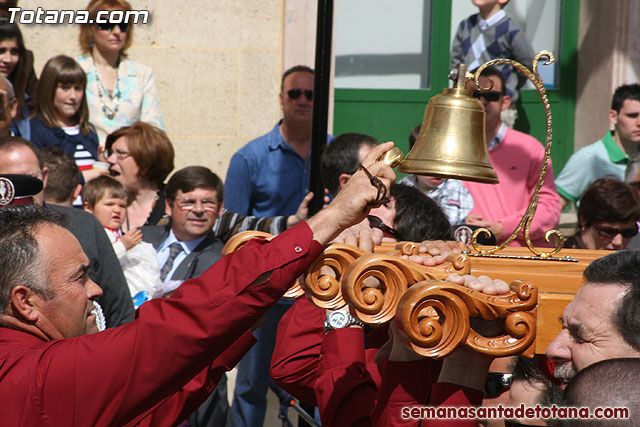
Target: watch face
(338,319)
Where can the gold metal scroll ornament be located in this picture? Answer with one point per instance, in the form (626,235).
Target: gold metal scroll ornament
(525,222)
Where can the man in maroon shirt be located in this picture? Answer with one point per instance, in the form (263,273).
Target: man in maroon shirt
(155,370)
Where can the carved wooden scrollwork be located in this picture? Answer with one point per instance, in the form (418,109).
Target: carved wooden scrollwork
(241,239)
(436,317)
(322,281)
(375,301)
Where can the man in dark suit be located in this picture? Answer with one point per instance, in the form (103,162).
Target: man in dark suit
(187,247)
(194,199)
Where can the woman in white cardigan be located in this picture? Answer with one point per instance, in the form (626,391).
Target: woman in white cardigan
(119,90)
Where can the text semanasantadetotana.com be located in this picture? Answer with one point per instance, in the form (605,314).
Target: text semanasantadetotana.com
(507,412)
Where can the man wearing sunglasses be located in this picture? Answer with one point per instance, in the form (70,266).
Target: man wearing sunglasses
(269,176)
(517,158)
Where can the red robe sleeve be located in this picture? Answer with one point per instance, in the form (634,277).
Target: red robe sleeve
(403,384)
(407,384)
(346,387)
(180,405)
(296,356)
(114,377)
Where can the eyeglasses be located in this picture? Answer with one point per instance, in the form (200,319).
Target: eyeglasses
(376,222)
(497,383)
(611,232)
(491,96)
(109,26)
(187,204)
(119,153)
(295,94)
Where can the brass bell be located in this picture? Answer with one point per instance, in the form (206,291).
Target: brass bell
(451,142)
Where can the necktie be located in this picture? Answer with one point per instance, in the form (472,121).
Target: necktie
(174,250)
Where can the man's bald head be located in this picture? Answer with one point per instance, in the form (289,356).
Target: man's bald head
(609,383)
(19,156)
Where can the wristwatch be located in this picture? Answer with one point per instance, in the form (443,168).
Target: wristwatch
(340,319)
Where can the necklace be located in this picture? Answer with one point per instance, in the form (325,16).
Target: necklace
(102,91)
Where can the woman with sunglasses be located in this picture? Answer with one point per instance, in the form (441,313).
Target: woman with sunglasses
(607,216)
(119,91)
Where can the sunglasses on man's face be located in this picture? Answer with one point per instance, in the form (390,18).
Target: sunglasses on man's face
(611,232)
(109,26)
(491,96)
(497,383)
(295,94)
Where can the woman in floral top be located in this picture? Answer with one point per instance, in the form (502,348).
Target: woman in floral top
(119,91)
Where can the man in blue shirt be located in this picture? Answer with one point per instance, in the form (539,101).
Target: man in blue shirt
(270,175)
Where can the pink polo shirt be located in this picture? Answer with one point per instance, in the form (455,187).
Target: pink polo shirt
(517,160)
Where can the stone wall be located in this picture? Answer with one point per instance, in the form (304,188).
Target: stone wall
(608,56)
(217,66)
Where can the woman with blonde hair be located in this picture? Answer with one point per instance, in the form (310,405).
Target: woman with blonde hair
(119,90)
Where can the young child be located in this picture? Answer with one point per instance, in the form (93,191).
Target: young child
(106,199)
(62,117)
(488,35)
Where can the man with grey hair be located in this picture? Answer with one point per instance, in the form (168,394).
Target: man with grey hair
(602,321)
(18,156)
(157,368)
